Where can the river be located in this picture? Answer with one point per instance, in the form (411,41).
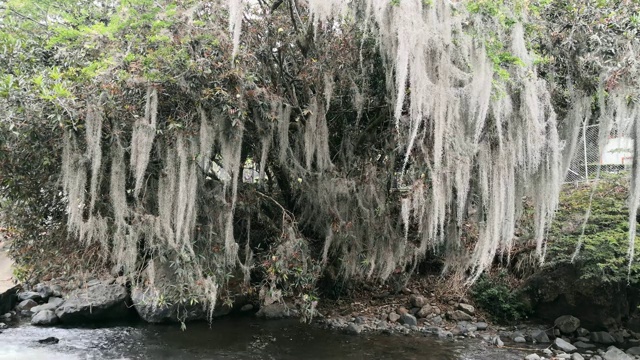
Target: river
(231,338)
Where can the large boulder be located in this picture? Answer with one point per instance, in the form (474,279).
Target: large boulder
(101,301)
(45,317)
(567,324)
(559,290)
(8,300)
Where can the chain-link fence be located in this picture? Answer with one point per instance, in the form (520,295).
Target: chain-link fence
(616,155)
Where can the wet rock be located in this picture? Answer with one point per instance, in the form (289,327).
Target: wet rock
(613,353)
(393,317)
(563,345)
(539,336)
(532,357)
(353,328)
(469,309)
(407,319)
(459,315)
(96,303)
(29,295)
(576,356)
(583,345)
(49,341)
(443,334)
(417,301)
(602,337)
(247,307)
(567,324)
(45,317)
(275,311)
(26,305)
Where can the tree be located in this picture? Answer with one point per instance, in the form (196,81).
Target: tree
(379,129)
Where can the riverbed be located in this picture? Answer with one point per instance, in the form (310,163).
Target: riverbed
(231,338)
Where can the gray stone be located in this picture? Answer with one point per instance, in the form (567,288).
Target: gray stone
(547,352)
(424,311)
(564,345)
(443,334)
(26,305)
(481,325)
(45,317)
(613,353)
(99,302)
(467,308)
(576,356)
(633,350)
(563,356)
(55,301)
(417,301)
(582,332)
(44,291)
(497,341)
(43,307)
(29,295)
(602,337)
(596,357)
(393,317)
(539,336)
(459,315)
(56,290)
(583,339)
(583,345)
(354,329)
(3,326)
(247,307)
(408,319)
(519,339)
(532,357)
(567,324)
(436,320)
(275,311)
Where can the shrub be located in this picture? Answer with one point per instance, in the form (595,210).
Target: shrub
(494,295)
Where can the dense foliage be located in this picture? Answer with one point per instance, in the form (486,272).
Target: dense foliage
(377,130)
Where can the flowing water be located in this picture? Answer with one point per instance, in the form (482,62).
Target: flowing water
(232,338)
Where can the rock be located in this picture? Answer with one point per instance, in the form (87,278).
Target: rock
(467,308)
(247,307)
(407,319)
(564,345)
(99,302)
(633,350)
(424,311)
(576,356)
(618,336)
(582,332)
(393,317)
(55,301)
(596,357)
(44,291)
(459,315)
(56,290)
(417,301)
(354,329)
(402,310)
(539,336)
(497,341)
(26,313)
(3,326)
(583,345)
(275,311)
(481,326)
(45,317)
(563,356)
(532,357)
(436,320)
(567,324)
(29,295)
(613,353)
(49,341)
(547,352)
(519,339)
(583,339)
(26,305)
(443,334)
(602,337)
